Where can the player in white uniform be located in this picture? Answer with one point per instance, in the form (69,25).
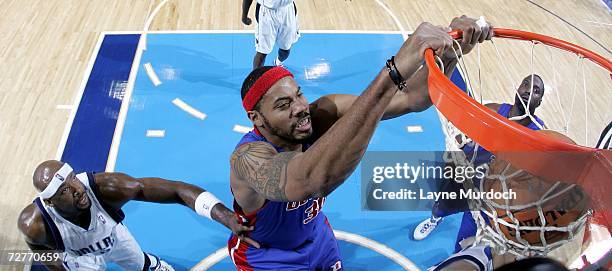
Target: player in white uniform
(477,258)
(605,138)
(79,215)
(277,22)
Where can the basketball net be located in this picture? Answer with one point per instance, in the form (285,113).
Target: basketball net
(568,99)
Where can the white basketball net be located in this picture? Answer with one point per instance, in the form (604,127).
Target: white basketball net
(560,103)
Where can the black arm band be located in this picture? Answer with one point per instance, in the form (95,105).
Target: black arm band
(395,75)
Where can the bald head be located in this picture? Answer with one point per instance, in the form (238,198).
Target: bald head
(44,173)
(557,135)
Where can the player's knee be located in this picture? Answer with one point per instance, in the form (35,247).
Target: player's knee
(283,53)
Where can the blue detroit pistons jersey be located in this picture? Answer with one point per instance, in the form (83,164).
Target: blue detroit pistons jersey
(484,156)
(293,235)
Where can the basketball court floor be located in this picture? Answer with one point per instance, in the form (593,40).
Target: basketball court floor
(174,111)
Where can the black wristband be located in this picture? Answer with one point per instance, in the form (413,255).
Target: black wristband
(395,75)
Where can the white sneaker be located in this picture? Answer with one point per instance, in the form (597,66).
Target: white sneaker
(164,266)
(426,227)
(278,62)
(161,265)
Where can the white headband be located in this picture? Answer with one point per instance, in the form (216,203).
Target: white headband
(58,179)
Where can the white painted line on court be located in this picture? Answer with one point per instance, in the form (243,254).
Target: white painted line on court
(395,19)
(27,266)
(152,75)
(241,129)
(148,23)
(606,5)
(189,109)
(78,97)
(156,133)
(414,128)
(125,105)
(384,250)
(211,260)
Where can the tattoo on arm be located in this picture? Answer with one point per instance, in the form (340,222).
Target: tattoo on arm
(261,166)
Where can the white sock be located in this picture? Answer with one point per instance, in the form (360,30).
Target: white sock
(277,62)
(153,260)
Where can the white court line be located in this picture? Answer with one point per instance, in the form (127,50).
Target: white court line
(211,260)
(189,109)
(156,133)
(125,103)
(148,23)
(77,98)
(606,5)
(242,129)
(384,250)
(414,129)
(151,73)
(395,19)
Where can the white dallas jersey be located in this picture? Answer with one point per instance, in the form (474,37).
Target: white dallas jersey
(98,239)
(274,4)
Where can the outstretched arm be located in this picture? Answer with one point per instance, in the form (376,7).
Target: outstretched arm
(293,176)
(416,98)
(117,189)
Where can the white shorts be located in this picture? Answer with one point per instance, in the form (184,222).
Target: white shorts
(126,253)
(276,26)
(478,256)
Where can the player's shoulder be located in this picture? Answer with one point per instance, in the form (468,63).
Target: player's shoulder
(493,106)
(32,224)
(115,188)
(106,180)
(248,158)
(253,150)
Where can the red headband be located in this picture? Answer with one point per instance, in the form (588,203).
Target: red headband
(262,85)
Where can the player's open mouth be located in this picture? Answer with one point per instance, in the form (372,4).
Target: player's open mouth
(83,200)
(525,97)
(303,125)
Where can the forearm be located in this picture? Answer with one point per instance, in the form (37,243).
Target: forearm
(246,5)
(336,153)
(222,214)
(410,101)
(165,191)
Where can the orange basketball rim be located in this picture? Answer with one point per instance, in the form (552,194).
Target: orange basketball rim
(547,157)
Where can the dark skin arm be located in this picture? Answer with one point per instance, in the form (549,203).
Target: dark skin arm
(327,109)
(116,189)
(246,5)
(295,175)
(32,227)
